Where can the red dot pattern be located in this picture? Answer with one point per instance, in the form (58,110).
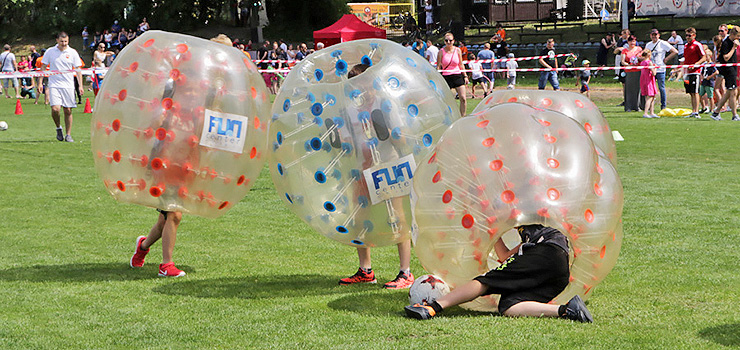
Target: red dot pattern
(447,196)
(468,221)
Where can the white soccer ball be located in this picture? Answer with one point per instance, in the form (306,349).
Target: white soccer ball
(3,126)
(427,289)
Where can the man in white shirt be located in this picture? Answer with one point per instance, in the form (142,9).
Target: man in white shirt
(61,89)
(8,65)
(659,48)
(677,42)
(431,53)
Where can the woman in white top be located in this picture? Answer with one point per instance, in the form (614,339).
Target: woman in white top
(100,55)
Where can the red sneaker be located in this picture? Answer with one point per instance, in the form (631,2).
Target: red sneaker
(169,270)
(401,281)
(359,277)
(139,254)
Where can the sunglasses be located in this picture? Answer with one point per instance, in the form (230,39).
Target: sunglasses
(448,40)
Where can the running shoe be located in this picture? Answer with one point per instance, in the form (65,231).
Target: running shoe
(715,116)
(576,310)
(60,134)
(735,118)
(359,277)
(402,281)
(139,254)
(420,312)
(169,270)
(68,138)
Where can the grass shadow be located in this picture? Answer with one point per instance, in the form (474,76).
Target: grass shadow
(80,273)
(254,287)
(389,303)
(725,334)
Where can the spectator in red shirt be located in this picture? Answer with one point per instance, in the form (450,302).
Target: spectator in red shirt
(693,54)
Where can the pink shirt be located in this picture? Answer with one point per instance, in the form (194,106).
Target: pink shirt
(450,62)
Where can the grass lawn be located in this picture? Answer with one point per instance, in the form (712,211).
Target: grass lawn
(259,277)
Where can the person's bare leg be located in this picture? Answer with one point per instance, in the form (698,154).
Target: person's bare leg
(169,235)
(532,309)
(733,101)
(694,102)
(404,255)
(364,255)
(55,115)
(463,99)
(462,294)
(155,233)
(68,120)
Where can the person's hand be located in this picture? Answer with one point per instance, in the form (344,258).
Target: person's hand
(82,91)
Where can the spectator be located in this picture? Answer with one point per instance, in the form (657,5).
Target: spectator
(420,47)
(728,54)
(34,56)
(262,54)
(100,56)
(476,75)
(631,9)
(659,49)
(143,26)
(302,52)
(108,39)
(706,90)
(605,46)
(584,78)
(319,46)
(511,65)
(24,64)
(283,46)
(428,10)
(631,90)
(463,48)
(620,44)
(647,84)
(487,54)
(28,88)
(502,50)
(9,65)
(60,92)
(115,28)
(431,53)
(719,86)
(677,42)
(501,32)
(693,55)
(131,36)
(549,61)
(291,52)
(85,39)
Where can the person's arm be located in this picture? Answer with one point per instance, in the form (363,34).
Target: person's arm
(728,56)
(502,252)
(588,81)
(670,56)
(543,63)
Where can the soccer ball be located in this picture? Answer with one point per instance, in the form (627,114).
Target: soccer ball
(427,289)
(3,126)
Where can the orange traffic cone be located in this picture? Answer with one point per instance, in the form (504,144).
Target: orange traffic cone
(18,108)
(88,108)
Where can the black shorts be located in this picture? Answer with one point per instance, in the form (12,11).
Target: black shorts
(691,83)
(730,75)
(540,274)
(454,80)
(481,80)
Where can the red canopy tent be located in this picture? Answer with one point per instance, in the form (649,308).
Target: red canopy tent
(347,28)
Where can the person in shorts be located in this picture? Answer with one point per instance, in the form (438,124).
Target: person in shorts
(60,91)
(706,89)
(728,54)
(529,277)
(693,55)
(486,54)
(450,63)
(476,75)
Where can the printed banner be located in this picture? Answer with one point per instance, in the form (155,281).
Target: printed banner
(391,179)
(687,8)
(224,131)
(376,14)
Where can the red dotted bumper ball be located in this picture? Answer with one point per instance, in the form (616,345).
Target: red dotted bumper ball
(575,106)
(343,147)
(158,120)
(522,178)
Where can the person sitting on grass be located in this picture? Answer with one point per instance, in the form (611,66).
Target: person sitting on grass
(531,275)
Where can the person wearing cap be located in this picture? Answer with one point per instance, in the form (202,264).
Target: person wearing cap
(585,78)
(659,48)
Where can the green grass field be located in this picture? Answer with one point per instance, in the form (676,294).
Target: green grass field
(258,277)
